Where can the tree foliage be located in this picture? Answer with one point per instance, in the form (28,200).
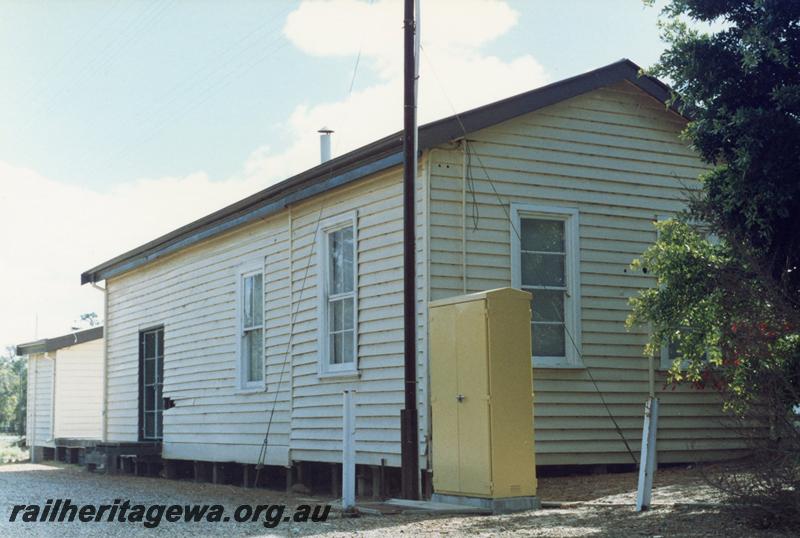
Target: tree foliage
(90,319)
(728,292)
(741,86)
(716,311)
(733,306)
(13,392)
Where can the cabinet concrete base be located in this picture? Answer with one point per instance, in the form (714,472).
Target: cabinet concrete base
(497,506)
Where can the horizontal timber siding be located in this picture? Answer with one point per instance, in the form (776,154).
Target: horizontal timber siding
(192,293)
(316,405)
(40,401)
(614,154)
(79,391)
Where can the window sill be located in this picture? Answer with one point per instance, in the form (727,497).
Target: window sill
(250,390)
(555,362)
(349,375)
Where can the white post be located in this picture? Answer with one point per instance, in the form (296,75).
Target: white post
(30,426)
(647,460)
(348,452)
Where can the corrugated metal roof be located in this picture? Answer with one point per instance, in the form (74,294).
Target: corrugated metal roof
(379,155)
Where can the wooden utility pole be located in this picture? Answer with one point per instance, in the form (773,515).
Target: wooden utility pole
(408,417)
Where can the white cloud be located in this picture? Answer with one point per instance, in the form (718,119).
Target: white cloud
(454,72)
(52,231)
(345,27)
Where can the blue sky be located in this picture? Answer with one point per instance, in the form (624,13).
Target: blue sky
(102,92)
(121,120)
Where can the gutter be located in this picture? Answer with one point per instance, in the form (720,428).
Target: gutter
(249,212)
(372,158)
(47,345)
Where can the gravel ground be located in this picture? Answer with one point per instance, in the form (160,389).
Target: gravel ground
(683,506)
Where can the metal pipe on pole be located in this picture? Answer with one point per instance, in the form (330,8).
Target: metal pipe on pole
(408,417)
(647,460)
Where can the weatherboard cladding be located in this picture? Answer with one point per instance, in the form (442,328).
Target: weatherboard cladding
(78,402)
(614,153)
(39,420)
(379,155)
(65,387)
(192,293)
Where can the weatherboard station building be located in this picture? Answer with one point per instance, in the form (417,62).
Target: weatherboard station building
(229,341)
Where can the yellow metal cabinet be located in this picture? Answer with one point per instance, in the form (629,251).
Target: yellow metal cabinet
(482,395)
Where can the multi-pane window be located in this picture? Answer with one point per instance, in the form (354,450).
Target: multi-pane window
(252,328)
(544,258)
(151,352)
(338,299)
(669,349)
(670,353)
(341,297)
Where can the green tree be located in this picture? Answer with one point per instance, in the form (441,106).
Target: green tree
(737,303)
(13,392)
(732,305)
(88,320)
(721,318)
(741,86)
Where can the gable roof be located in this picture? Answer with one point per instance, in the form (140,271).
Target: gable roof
(374,157)
(46,345)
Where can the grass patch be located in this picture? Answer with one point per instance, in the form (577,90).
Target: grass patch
(10,452)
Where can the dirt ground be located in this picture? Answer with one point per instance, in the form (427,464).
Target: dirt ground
(683,506)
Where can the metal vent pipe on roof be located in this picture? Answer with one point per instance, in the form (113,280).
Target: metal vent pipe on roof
(325,144)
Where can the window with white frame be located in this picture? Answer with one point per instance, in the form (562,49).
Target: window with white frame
(338,339)
(670,353)
(669,349)
(545,263)
(251,328)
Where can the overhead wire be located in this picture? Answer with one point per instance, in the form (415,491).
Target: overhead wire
(358,60)
(566,329)
(201,99)
(204,83)
(287,354)
(503,205)
(147,17)
(263,453)
(44,79)
(355,70)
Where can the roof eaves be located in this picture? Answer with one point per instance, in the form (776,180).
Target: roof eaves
(47,345)
(379,155)
(262,210)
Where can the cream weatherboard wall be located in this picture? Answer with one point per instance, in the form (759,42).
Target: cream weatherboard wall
(40,400)
(79,391)
(65,394)
(192,294)
(614,156)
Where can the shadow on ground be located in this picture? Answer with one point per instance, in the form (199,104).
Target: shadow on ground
(608,515)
